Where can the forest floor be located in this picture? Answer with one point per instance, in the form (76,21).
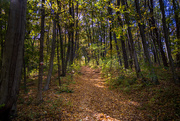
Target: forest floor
(86,97)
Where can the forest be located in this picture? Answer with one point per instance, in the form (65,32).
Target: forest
(90,60)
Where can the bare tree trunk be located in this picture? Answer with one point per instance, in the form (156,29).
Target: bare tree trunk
(133,51)
(62,49)
(71,31)
(24,69)
(46,87)
(177,18)
(110,29)
(41,58)
(48,42)
(155,35)
(58,59)
(12,59)
(126,65)
(167,42)
(1,40)
(77,31)
(145,47)
(117,48)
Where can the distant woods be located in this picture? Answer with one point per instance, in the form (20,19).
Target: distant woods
(41,36)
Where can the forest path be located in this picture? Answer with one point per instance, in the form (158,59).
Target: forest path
(93,101)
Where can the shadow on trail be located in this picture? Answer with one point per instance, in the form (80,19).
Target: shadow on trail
(92,100)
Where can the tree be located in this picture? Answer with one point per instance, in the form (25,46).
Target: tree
(122,40)
(177,19)
(41,58)
(155,34)
(12,59)
(46,87)
(167,42)
(144,42)
(133,51)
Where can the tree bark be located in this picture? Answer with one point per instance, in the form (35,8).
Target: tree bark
(126,65)
(133,51)
(46,87)
(145,47)
(58,59)
(24,69)
(71,31)
(62,49)
(110,33)
(167,42)
(117,49)
(41,58)
(1,40)
(12,59)
(155,35)
(177,19)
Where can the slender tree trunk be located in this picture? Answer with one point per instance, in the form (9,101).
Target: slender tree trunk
(133,51)
(77,31)
(62,49)
(58,44)
(12,59)
(145,47)
(68,52)
(118,53)
(48,42)
(71,31)
(122,41)
(24,68)
(167,42)
(177,19)
(1,41)
(155,35)
(46,87)
(110,29)
(41,58)
(130,54)
(58,59)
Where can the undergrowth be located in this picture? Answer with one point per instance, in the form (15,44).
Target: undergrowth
(162,101)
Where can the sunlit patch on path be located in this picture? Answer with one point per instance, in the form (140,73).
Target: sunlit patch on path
(93,101)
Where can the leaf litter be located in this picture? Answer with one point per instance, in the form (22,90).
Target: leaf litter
(91,100)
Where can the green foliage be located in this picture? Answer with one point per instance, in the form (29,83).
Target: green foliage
(65,88)
(2,105)
(76,67)
(121,81)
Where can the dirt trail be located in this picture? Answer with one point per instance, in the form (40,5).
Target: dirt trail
(93,101)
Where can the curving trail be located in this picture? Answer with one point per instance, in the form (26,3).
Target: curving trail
(93,101)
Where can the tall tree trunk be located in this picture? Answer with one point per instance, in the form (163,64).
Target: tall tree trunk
(58,59)
(117,48)
(62,49)
(12,59)
(133,51)
(156,34)
(71,31)
(48,42)
(1,40)
(24,69)
(130,54)
(68,52)
(167,42)
(41,58)
(46,87)
(77,31)
(110,29)
(122,40)
(145,47)
(177,19)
